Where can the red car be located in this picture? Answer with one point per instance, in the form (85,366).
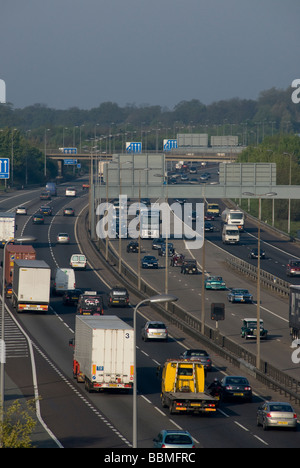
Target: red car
(177,260)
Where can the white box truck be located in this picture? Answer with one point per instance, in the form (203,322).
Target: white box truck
(31,285)
(103,353)
(7,227)
(234,218)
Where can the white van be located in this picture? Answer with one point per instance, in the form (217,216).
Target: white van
(64,280)
(230,234)
(78,261)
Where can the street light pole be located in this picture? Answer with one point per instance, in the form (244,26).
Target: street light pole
(259,196)
(153,299)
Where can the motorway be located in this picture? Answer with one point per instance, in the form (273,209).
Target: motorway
(75,418)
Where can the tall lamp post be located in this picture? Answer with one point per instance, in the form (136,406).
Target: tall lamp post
(2,341)
(153,299)
(259,196)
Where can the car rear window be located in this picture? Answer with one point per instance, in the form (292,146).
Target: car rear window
(178,439)
(156,325)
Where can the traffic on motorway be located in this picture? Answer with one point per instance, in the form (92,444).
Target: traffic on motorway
(93,291)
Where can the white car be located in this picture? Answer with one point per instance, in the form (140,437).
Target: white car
(21,210)
(62,238)
(70,192)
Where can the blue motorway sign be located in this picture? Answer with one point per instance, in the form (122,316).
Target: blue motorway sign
(69,150)
(70,162)
(133,147)
(170,144)
(4,168)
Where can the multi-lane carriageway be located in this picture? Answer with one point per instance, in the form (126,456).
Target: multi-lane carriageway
(70,417)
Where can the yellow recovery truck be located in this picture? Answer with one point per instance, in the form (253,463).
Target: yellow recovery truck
(183,388)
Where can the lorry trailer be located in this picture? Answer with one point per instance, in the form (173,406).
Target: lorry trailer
(31,285)
(103,353)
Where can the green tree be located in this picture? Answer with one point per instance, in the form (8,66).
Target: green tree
(18,425)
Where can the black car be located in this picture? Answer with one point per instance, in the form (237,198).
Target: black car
(189,267)
(46,210)
(254,253)
(149,261)
(90,303)
(118,296)
(208,227)
(133,246)
(71,296)
(157,243)
(236,387)
(162,250)
(38,219)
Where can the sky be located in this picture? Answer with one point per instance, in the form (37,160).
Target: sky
(81,53)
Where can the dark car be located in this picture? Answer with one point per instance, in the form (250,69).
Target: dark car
(162,250)
(236,387)
(293,268)
(157,243)
(198,355)
(239,295)
(189,267)
(254,253)
(249,329)
(208,227)
(90,303)
(177,260)
(46,210)
(133,246)
(38,219)
(71,296)
(149,261)
(45,196)
(118,296)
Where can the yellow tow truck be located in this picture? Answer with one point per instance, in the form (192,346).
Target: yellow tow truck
(183,388)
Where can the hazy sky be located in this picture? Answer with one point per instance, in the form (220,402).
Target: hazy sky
(66,53)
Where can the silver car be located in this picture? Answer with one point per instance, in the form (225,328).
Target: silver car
(63,238)
(276,414)
(154,330)
(173,439)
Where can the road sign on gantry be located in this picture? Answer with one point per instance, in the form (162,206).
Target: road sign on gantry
(4,168)
(133,147)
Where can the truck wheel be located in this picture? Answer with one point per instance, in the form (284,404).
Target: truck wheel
(171,410)
(163,402)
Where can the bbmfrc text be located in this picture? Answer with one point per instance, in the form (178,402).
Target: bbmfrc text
(176,457)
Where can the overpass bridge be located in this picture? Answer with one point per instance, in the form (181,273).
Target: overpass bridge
(216,155)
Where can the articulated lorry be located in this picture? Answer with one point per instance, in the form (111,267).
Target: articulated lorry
(103,353)
(15,252)
(31,286)
(183,388)
(233,218)
(7,227)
